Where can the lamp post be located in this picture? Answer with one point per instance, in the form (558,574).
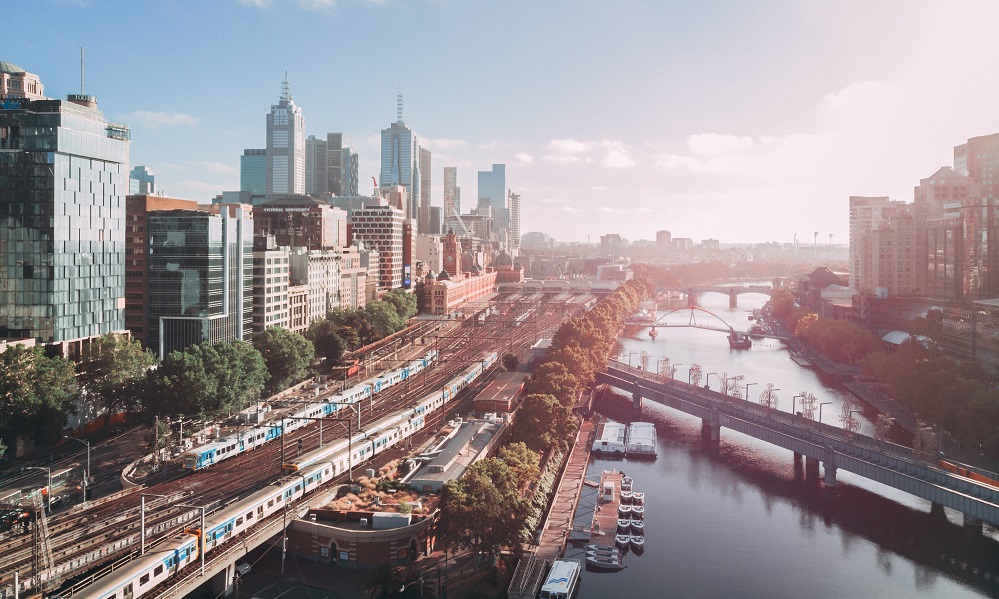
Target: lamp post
(792,401)
(824,403)
(142,520)
(707,380)
(86,473)
(48,471)
(672,372)
(407,585)
(747,390)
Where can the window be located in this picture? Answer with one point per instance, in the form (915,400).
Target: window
(144,579)
(158,570)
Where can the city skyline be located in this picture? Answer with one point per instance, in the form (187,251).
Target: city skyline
(748,123)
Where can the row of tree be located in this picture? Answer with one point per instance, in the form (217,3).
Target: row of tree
(344,330)
(485,509)
(838,340)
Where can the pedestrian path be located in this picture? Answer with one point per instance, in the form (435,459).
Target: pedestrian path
(559,521)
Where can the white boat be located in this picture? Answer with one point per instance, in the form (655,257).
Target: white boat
(622,540)
(637,541)
(637,498)
(623,524)
(626,483)
(593,547)
(562,581)
(641,440)
(611,440)
(637,526)
(638,512)
(624,510)
(625,496)
(604,563)
(609,552)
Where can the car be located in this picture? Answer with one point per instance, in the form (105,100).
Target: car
(242,568)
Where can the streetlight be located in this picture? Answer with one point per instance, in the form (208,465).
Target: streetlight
(407,585)
(707,380)
(86,473)
(747,390)
(824,403)
(802,395)
(48,470)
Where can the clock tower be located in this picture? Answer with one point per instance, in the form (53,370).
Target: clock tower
(452,255)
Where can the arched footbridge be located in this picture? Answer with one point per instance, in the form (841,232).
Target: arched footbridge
(881,461)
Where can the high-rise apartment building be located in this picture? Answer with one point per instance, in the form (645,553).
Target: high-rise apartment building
(892,254)
(451,205)
(334,163)
(63,180)
(271,277)
(400,161)
(285,146)
(492,187)
(141,181)
(381,228)
(348,173)
(253,171)
(978,158)
(514,229)
(200,273)
(424,220)
(316,167)
(866,214)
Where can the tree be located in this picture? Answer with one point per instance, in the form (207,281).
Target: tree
(112,362)
(36,392)
(323,334)
(403,302)
(181,385)
(288,357)
(239,371)
(542,423)
(482,510)
(510,362)
(522,462)
(382,318)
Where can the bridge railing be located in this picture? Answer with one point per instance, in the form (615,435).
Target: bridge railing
(835,438)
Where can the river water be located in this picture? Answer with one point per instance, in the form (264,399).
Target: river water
(745,523)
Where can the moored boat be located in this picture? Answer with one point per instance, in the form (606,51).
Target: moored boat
(636,526)
(626,483)
(623,524)
(637,541)
(623,510)
(625,496)
(609,552)
(638,512)
(622,540)
(638,498)
(604,563)
(594,547)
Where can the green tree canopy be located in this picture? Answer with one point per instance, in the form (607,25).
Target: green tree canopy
(542,423)
(324,335)
(522,462)
(403,301)
(240,374)
(36,392)
(109,368)
(288,356)
(382,318)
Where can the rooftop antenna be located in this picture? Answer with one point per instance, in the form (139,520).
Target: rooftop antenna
(398,108)
(81,71)
(285,88)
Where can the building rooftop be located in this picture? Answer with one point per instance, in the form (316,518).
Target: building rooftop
(10,68)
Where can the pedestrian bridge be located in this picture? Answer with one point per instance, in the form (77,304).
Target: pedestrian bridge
(887,463)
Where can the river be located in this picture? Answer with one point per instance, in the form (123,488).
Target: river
(744,523)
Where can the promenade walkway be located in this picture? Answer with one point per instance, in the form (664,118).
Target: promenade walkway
(559,521)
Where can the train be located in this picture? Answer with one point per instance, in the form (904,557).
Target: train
(961,470)
(210,454)
(308,473)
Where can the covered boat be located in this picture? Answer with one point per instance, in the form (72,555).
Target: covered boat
(637,498)
(636,526)
(623,511)
(622,540)
(638,512)
(637,542)
(626,483)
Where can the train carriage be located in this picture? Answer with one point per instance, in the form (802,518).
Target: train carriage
(137,578)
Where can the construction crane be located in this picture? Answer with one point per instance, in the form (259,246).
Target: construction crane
(375,182)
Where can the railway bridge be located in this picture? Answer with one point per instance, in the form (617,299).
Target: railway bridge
(887,463)
(732,291)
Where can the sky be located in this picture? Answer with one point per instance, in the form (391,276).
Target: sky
(743,121)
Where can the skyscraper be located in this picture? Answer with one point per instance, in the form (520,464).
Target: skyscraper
(400,160)
(316,167)
(424,226)
(514,229)
(451,206)
(253,171)
(141,181)
(348,172)
(334,163)
(492,187)
(63,180)
(285,146)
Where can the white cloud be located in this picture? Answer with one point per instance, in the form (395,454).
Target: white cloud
(715,144)
(154,119)
(568,146)
(256,3)
(443,143)
(618,159)
(219,168)
(523,158)
(317,4)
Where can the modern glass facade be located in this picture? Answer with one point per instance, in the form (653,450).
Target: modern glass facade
(400,156)
(63,182)
(253,171)
(492,186)
(348,172)
(200,273)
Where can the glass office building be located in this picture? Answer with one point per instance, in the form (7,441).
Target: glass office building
(63,180)
(200,277)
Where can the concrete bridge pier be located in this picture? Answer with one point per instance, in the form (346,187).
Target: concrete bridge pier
(222,581)
(733,299)
(636,399)
(937,511)
(711,431)
(972,524)
(829,466)
(812,469)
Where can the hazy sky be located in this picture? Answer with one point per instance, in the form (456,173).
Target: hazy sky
(741,120)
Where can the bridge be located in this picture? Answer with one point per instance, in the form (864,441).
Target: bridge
(882,461)
(659,322)
(732,291)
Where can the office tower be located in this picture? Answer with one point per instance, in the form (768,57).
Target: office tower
(141,181)
(514,228)
(664,240)
(137,209)
(334,163)
(253,171)
(892,254)
(285,146)
(381,228)
(316,167)
(301,221)
(63,180)
(400,160)
(492,187)
(978,158)
(436,220)
(348,172)
(424,226)
(451,205)
(866,214)
(271,274)
(200,273)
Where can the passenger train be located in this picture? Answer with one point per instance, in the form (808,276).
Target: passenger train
(309,472)
(223,449)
